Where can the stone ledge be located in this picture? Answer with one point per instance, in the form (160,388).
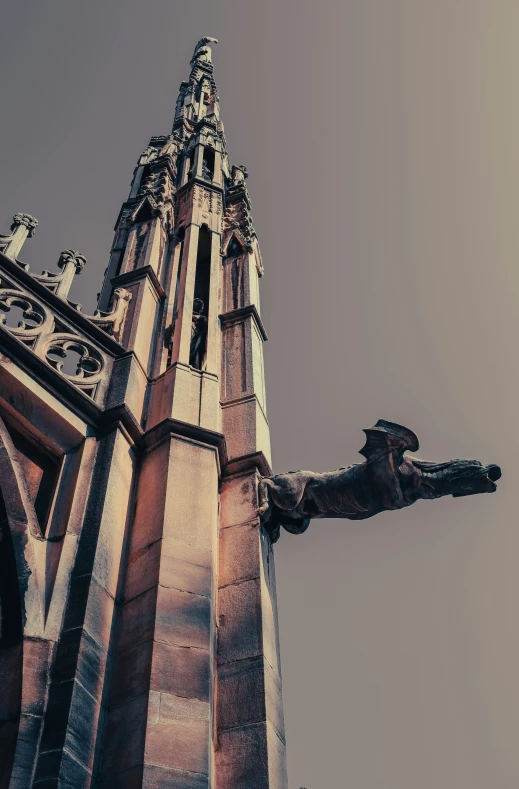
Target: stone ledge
(241,314)
(122,280)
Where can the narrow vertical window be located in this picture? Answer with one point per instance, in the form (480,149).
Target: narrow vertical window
(198,347)
(208,164)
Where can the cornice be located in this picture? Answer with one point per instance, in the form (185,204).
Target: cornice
(160,433)
(130,277)
(198,181)
(241,314)
(255,461)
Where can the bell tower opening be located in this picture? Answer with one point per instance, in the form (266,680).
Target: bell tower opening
(198,347)
(208,164)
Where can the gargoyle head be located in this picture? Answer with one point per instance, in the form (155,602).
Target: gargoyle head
(420,479)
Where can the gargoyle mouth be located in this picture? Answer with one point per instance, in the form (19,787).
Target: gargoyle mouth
(485,481)
(493,472)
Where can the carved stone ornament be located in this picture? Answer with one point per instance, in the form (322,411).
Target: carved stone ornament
(202,51)
(238,174)
(22,227)
(148,155)
(23,316)
(27,221)
(72,256)
(89,365)
(112,322)
(33,315)
(387,480)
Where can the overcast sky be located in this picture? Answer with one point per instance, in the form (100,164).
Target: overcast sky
(382,142)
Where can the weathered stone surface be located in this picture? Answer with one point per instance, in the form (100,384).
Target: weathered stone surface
(239,499)
(137,620)
(178,708)
(151,776)
(132,671)
(183,618)
(91,665)
(160,777)
(125,732)
(142,571)
(181,744)
(186,567)
(242,760)
(181,671)
(99,615)
(28,735)
(277,765)
(73,775)
(82,725)
(239,558)
(241,693)
(239,621)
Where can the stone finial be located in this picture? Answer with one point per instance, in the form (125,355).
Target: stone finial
(72,257)
(22,227)
(202,51)
(71,262)
(388,480)
(24,220)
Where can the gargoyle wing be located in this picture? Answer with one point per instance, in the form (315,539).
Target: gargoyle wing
(387,438)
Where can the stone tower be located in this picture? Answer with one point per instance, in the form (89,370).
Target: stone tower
(139,642)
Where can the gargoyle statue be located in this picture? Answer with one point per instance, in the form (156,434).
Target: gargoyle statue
(387,480)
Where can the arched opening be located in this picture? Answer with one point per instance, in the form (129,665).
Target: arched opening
(170,335)
(198,348)
(208,164)
(234,275)
(11,650)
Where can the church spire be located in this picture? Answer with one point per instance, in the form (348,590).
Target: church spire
(198,97)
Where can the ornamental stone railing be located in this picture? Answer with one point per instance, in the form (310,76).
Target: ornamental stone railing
(52,330)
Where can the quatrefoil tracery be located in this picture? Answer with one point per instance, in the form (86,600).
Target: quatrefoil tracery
(89,365)
(32,312)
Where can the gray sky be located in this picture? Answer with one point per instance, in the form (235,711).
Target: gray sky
(382,142)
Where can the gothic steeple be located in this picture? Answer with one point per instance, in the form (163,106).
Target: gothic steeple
(147,588)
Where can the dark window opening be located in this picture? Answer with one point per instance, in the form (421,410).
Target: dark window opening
(198,347)
(208,164)
(170,330)
(144,177)
(190,160)
(144,214)
(235,249)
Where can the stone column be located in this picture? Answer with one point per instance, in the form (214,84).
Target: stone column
(199,158)
(250,745)
(23,227)
(217,180)
(70,263)
(159,729)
